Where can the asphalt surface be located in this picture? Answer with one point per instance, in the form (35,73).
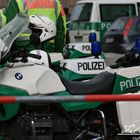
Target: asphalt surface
(111,58)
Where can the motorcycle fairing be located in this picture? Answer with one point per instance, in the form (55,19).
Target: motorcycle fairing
(79,50)
(36,79)
(127,80)
(129,116)
(75,106)
(9,110)
(70,75)
(84,66)
(77,54)
(84,48)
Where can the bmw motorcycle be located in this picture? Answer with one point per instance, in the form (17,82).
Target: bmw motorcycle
(20,76)
(70,65)
(81,50)
(84,68)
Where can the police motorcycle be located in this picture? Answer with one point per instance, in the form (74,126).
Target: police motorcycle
(81,49)
(22,77)
(73,120)
(70,68)
(84,68)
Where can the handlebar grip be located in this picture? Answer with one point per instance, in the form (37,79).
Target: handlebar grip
(117,65)
(34,56)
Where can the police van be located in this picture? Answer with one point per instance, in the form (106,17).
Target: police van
(97,15)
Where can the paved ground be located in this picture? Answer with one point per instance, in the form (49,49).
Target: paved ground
(111,58)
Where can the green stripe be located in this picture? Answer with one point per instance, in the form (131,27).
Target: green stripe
(3,19)
(89,26)
(76,106)
(20,6)
(83,25)
(97,26)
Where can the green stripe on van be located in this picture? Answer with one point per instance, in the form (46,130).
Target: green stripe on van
(101,27)
(84,25)
(89,26)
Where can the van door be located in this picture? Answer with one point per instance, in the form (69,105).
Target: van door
(81,25)
(138,5)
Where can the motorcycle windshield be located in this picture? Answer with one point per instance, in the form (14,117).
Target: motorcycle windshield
(11,31)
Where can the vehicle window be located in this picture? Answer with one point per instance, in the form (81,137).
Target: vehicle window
(119,24)
(109,12)
(138,26)
(82,12)
(138,4)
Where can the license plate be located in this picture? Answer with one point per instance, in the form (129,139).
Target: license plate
(78,38)
(109,40)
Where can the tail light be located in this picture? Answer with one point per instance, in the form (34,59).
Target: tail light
(127,27)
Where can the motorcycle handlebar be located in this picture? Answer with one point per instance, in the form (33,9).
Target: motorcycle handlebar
(18,53)
(34,56)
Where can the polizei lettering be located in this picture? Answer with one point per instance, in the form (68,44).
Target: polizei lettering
(91,66)
(86,47)
(130,83)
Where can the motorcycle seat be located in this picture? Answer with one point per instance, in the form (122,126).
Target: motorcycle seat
(103,83)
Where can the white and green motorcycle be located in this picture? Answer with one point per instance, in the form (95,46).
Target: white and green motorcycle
(74,66)
(20,76)
(84,68)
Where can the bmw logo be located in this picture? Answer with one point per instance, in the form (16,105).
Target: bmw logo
(18,76)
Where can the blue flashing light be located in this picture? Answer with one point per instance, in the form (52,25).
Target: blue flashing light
(96,48)
(92,37)
(136,48)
